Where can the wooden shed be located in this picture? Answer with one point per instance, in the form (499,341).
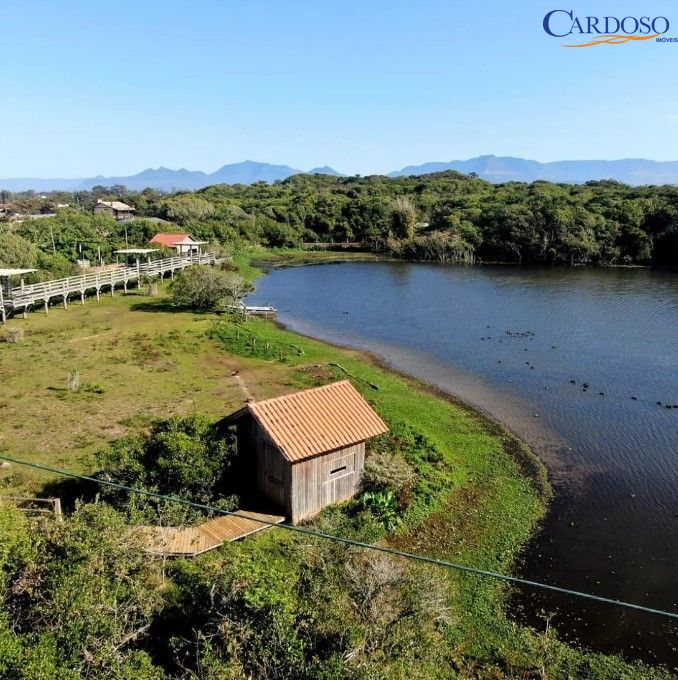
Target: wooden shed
(309,446)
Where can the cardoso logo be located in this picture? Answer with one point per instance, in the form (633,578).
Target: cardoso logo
(609,30)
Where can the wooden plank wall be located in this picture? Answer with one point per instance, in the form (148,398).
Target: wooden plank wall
(273,470)
(306,487)
(321,481)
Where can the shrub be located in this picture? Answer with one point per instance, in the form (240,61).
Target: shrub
(13,335)
(77,596)
(405,443)
(95,388)
(386,471)
(189,458)
(207,288)
(439,246)
(16,251)
(403,218)
(384,507)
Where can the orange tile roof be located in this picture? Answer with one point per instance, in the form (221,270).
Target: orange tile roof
(168,240)
(305,424)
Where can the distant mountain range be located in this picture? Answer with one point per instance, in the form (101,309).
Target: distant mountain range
(491,168)
(509,169)
(165,179)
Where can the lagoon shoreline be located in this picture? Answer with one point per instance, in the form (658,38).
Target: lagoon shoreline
(423,323)
(533,460)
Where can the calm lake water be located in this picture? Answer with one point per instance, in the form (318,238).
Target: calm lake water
(574,361)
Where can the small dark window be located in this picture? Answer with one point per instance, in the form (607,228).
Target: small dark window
(275,481)
(339,469)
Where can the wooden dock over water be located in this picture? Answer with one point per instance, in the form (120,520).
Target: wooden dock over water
(192,541)
(23,297)
(254,310)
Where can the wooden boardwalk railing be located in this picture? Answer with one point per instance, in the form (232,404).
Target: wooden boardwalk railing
(25,296)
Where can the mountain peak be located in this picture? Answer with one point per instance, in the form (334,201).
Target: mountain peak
(325,170)
(248,172)
(634,171)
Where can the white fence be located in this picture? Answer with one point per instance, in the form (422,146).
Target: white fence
(24,296)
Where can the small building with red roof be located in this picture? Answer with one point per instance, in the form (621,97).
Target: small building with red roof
(183,243)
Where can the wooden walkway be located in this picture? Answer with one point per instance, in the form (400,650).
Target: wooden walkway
(192,541)
(23,297)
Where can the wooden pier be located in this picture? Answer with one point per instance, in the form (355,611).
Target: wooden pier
(23,297)
(193,541)
(254,310)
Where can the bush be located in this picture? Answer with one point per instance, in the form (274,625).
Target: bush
(12,335)
(386,469)
(388,472)
(278,235)
(16,251)
(384,507)
(207,289)
(439,246)
(95,388)
(189,458)
(77,596)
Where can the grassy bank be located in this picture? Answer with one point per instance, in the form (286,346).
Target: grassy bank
(138,360)
(252,261)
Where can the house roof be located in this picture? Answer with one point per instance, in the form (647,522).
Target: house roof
(319,420)
(188,241)
(116,205)
(167,239)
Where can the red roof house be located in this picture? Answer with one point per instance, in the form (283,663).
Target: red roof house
(167,240)
(184,244)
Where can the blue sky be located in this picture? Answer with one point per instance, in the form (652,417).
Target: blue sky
(364,86)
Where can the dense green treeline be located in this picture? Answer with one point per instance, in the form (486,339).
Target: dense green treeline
(445,217)
(52,245)
(452,217)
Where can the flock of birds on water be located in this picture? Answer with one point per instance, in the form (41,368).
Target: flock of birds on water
(529,335)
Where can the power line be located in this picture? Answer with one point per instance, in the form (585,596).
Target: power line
(357,544)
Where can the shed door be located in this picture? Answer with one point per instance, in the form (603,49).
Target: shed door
(273,475)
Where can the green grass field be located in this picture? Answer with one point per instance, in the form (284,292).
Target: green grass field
(135,360)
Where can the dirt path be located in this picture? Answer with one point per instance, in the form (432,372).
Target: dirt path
(243,386)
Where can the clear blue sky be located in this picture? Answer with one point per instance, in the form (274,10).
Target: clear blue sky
(364,86)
